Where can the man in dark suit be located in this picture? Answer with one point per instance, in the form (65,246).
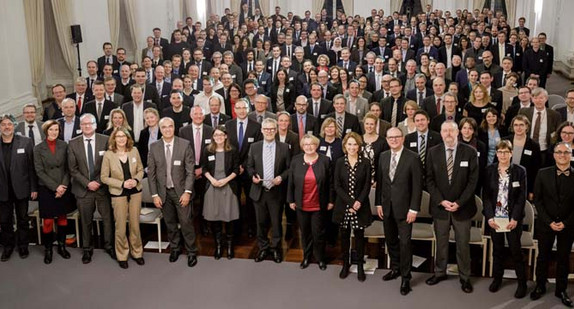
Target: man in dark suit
(99,107)
(263,79)
(85,155)
(433,104)
(328,90)
(487,64)
(158,40)
(215,118)
(495,94)
(313,49)
(31,127)
(346,61)
(171,177)
(268,166)
(69,123)
(421,91)
(521,27)
(398,199)
(393,105)
(501,49)
(450,112)
(149,91)
(177,111)
(422,139)
(346,122)
(203,66)
(567,112)
(428,49)
(242,132)
(134,110)
(506,70)
(449,50)
(451,178)
(162,87)
(80,95)
(317,105)
(524,101)
(19,184)
(107,58)
(554,200)
(302,119)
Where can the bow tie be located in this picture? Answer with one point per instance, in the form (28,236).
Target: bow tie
(565,173)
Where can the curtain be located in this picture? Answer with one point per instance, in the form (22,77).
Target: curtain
(348,6)
(130,11)
(235,6)
(114,20)
(34,13)
(478,4)
(317,6)
(264,4)
(395,7)
(511,11)
(62,13)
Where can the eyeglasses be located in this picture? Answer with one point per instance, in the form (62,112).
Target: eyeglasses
(567,133)
(503,152)
(562,153)
(394,137)
(269,129)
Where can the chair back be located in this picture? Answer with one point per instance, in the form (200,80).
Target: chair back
(424,212)
(555,99)
(529,217)
(146,194)
(558,106)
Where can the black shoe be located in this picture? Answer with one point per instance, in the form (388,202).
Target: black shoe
(277,257)
(345,270)
(87,256)
(466,286)
(495,285)
(521,290)
(6,254)
(23,252)
(191,260)
(304,264)
(230,251)
(250,233)
(217,254)
(391,275)
(112,253)
(405,287)
(322,265)
(435,279)
(361,272)
(261,256)
(123,264)
(565,299)
(539,290)
(63,252)
(173,256)
(140,261)
(48,256)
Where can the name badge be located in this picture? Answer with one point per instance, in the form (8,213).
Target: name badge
(134,160)
(463,163)
(480,58)
(413,144)
(19,133)
(527,152)
(314,54)
(268,68)
(177,163)
(78,131)
(290,79)
(101,152)
(323,116)
(184,124)
(289,146)
(515,184)
(348,130)
(323,148)
(211,158)
(233,76)
(287,90)
(478,154)
(541,60)
(494,103)
(208,141)
(483,110)
(250,139)
(387,57)
(21,150)
(264,82)
(106,117)
(517,54)
(508,55)
(310,132)
(204,73)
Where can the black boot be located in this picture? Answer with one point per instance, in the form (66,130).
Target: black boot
(360,271)
(345,247)
(360,246)
(48,240)
(229,232)
(217,236)
(62,243)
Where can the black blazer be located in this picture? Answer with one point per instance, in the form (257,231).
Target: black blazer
(297,171)
(362,190)
(325,108)
(351,123)
(516,191)
(292,139)
(231,165)
(22,173)
(252,134)
(437,121)
(223,118)
(150,94)
(128,108)
(206,135)
(552,206)
(102,122)
(76,131)
(142,145)
(412,140)
(281,168)
(387,107)
(289,96)
(311,124)
(463,185)
(530,160)
(404,192)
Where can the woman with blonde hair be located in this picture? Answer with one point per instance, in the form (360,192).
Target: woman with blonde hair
(407,126)
(478,104)
(117,120)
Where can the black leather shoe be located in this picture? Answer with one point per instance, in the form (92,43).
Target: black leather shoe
(23,252)
(123,264)
(112,253)
(173,256)
(435,279)
(6,254)
(304,264)
(521,290)
(405,287)
(140,261)
(230,251)
(63,252)
(344,271)
(391,275)
(466,286)
(217,254)
(361,272)
(261,256)
(87,256)
(495,285)
(565,299)
(539,290)
(191,260)
(277,257)
(48,256)
(322,265)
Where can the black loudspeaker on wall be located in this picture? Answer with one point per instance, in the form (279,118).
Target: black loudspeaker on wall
(76,34)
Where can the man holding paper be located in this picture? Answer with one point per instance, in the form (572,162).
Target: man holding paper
(504,197)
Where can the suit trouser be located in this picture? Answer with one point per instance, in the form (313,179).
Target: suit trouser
(246,212)
(128,208)
(174,213)
(398,238)
(564,241)
(86,206)
(269,210)
(6,222)
(513,238)
(312,225)
(462,237)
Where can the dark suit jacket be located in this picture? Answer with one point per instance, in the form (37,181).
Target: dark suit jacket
(429,106)
(553,206)
(223,118)
(52,169)
(462,187)
(311,124)
(252,134)
(414,93)
(317,50)
(128,108)
(350,124)
(289,96)
(552,121)
(102,122)
(102,62)
(76,131)
(437,121)
(292,140)
(149,95)
(88,96)
(206,133)
(516,192)
(22,174)
(442,55)
(530,160)
(321,169)
(387,107)
(142,145)
(412,140)
(231,165)
(281,168)
(362,190)
(404,192)
(182,174)
(78,164)
(563,111)
(325,108)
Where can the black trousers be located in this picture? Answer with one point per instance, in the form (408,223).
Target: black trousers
(174,213)
(398,238)
(564,241)
(87,206)
(346,243)
(269,210)
(312,225)
(247,211)
(514,244)
(9,237)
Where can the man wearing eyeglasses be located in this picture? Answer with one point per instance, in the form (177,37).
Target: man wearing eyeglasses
(567,112)
(554,200)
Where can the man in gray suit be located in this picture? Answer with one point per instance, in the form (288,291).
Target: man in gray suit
(171,167)
(85,154)
(357,105)
(111,95)
(30,127)
(261,113)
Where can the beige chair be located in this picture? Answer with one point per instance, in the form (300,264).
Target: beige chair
(34,212)
(75,215)
(376,229)
(425,231)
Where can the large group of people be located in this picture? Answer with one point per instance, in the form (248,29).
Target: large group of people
(249,118)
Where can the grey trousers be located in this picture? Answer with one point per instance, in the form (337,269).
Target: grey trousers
(462,237)
(87,206)
(173,214)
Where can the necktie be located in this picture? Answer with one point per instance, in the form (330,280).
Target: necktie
(90,160)
(301,128)
(169,180)
(421,98)
(268,171)
(241,133)
(340,126)
(423,150)
(328,45)
(156,43)
(214,122)
(386,94)
(250,67)
(159,88)
(449,164)
(148,76)
(197,144)
(503,78)
(438,106)
(316,109)
(80,104)
(394,114)
(378,82)
(99,110)
(289,51)
(350,42)
(31,133)
(371,70)
(346,65)
(537,124)
(109,60)
(393,168)
(260,119)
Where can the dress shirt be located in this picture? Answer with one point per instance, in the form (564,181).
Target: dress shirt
(68,129)
(426,140)
(569,114)
(398,158)
(446,148)
(543,128)
(138,120)
(153,134)
(35,129)
(93,142)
